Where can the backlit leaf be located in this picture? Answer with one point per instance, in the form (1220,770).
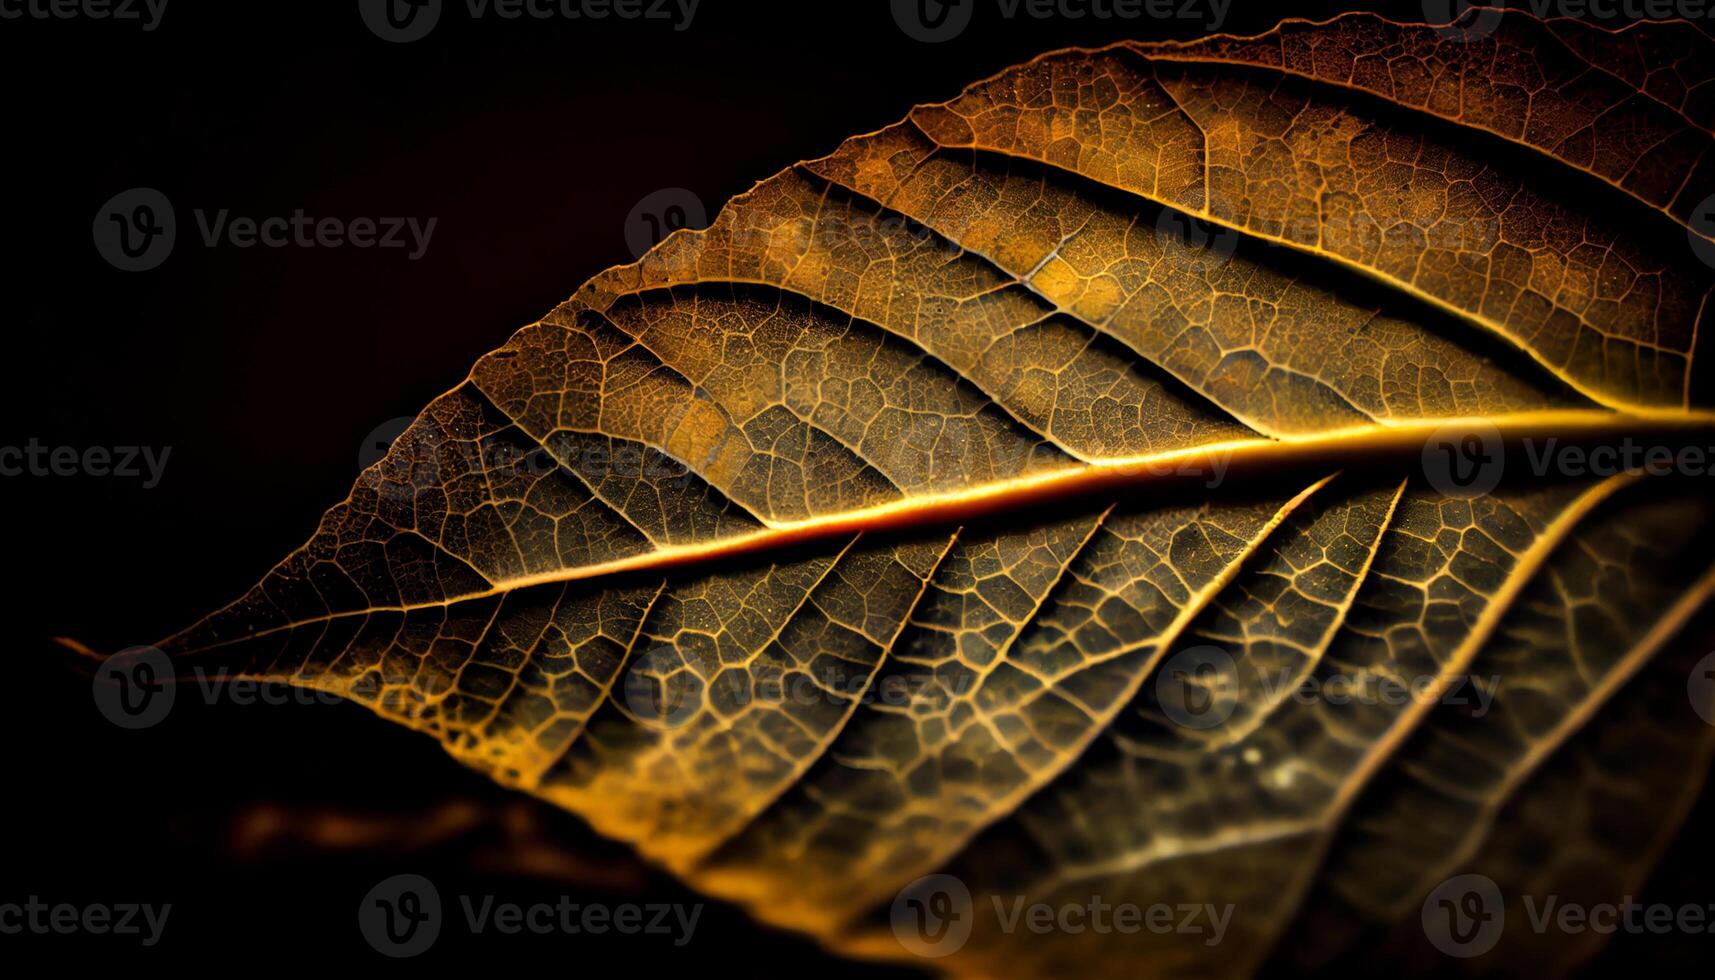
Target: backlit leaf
(1011,493)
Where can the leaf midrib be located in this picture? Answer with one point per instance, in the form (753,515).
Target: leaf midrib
(1191,466)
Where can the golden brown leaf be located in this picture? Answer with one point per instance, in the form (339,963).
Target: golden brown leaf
(955,505)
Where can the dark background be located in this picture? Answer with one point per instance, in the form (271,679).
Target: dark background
(266,369)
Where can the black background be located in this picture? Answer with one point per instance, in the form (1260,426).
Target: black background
(266,369)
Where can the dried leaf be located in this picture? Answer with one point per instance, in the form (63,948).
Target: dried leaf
(955,505)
